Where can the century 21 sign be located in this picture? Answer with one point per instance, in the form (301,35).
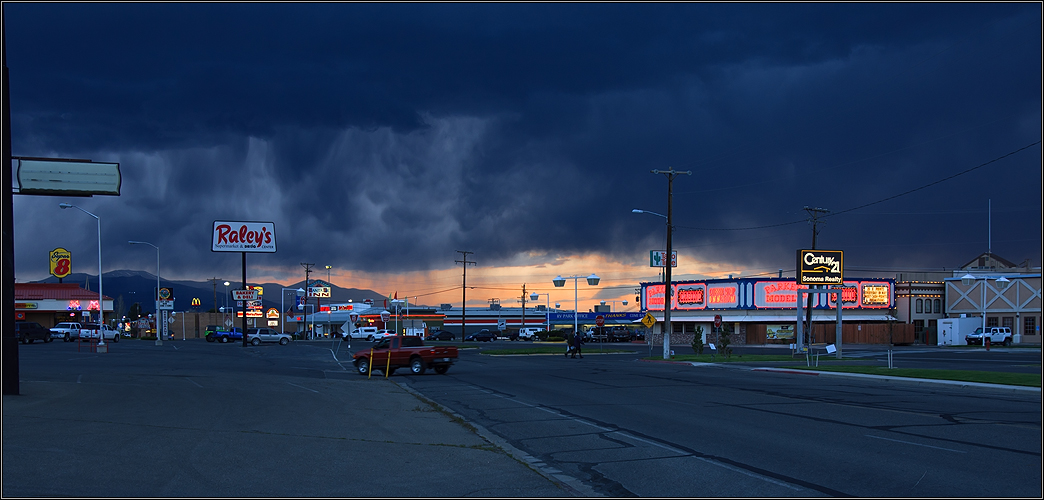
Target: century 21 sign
(820,267)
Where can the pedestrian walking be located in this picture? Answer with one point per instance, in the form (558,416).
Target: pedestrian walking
(578,340)
(569,343)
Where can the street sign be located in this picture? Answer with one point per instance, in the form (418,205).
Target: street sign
(501,325)
(272,313)
(240,295)
(658,258)
(167,305)
(228,322)
(717,321)
(648,320)
(600,320)
(353,317)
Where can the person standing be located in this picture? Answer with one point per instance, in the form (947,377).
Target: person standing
(569,343)
(578,340)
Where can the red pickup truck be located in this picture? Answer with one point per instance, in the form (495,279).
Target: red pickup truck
(405,352)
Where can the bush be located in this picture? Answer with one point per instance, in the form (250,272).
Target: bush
(697,340)
(724,334)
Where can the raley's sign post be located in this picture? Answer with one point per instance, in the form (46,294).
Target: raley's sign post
(243,237)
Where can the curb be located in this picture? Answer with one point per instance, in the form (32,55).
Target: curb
(570,484)
(901,379)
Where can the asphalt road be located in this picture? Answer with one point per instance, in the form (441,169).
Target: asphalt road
(195,419)
(625,427)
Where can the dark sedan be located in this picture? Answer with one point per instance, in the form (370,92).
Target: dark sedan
(28,331)
(440,335)
(481,336)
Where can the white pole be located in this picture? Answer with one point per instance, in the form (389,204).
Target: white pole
(101,296)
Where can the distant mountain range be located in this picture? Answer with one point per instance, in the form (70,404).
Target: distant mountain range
(138,286)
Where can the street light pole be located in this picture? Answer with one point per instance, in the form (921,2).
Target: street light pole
(559,281)
(159,338)
(547,309)
(101,296)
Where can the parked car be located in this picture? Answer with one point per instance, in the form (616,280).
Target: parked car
(529,333)
(996,334)
(363,332)
(258,335)
(481,336)
(28,331)
(225,335)
(382,334)
(440,335)
(90,332)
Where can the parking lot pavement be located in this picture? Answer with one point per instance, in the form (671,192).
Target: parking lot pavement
(195,419)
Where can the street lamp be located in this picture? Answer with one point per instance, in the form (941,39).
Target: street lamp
(1000,283)
(547,308)
(282,308)
(101,298)
(667,291)
(613,302)
(559,281)
(159,339)
(397,304)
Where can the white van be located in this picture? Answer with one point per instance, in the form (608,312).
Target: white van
(365,332)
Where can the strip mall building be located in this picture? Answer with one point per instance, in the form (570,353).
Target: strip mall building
(764,310)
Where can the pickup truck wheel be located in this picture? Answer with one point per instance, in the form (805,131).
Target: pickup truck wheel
(66,338)
(441,369)
(363,365)
(417,366)
(224,340)
(370,338)
(283,341)
(210,338)
(255,342)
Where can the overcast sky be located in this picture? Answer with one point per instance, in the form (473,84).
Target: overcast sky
(380,138)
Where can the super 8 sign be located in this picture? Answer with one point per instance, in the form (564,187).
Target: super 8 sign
(61,262)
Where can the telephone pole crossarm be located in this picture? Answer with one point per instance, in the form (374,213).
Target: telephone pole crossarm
(464,290)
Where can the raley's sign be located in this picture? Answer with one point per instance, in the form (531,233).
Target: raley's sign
(243,237)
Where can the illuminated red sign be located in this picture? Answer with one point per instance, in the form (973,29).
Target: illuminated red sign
(690,296)
(654,297)
(722,295)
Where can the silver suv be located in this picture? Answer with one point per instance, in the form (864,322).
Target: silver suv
(996,334)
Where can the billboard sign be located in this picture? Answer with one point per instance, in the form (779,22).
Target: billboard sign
(56,177)
(61,262)
(658,258)
(820,267)
(322,292)
(256,237)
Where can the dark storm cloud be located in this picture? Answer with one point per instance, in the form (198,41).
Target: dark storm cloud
(385,136)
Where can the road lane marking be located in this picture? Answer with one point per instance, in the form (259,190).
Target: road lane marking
(305,388)
(193,381)
(915,444)
(79,378)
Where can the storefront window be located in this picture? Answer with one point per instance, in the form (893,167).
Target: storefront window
(938,306)
(919,307)
(1029,325)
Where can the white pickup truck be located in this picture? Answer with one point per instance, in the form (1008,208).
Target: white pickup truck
(68,331)
(996,334)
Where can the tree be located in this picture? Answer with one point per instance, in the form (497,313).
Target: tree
(134,312)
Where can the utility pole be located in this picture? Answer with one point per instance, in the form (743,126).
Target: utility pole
(523,309)
(308,269)
(813,218)
(667,291)
(214,281)
(464,290)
